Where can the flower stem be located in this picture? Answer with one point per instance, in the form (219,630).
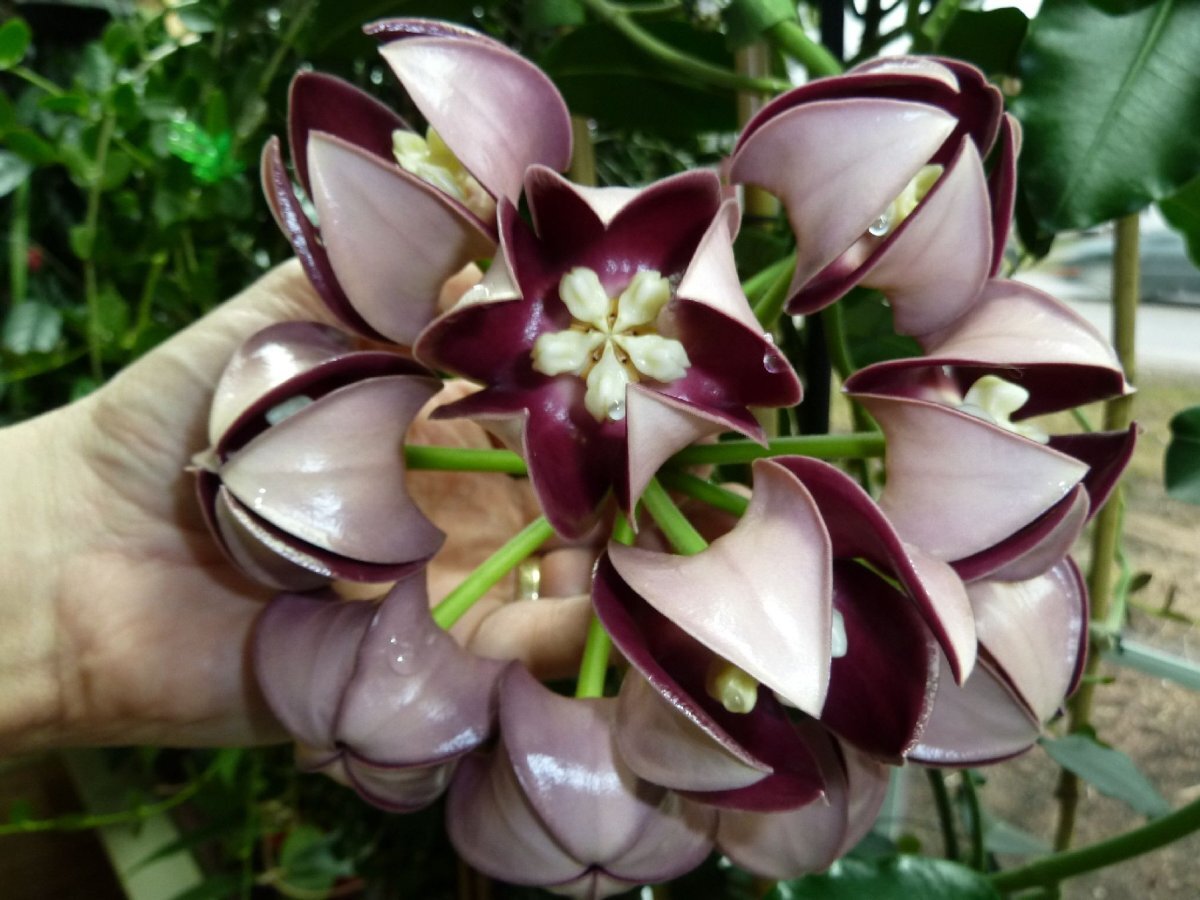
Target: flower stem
(1059,866)
(790,38)
(671,520)
(704,491)
(818,446)
(594,667)
(941,800)
(970,795)
(463,459)
(1106,535)
(706,73)
(495,567)
(754,286)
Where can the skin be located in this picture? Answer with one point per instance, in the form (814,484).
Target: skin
(123,623)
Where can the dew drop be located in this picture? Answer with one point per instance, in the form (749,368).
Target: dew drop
(880,226)
(616,410)
(773,362)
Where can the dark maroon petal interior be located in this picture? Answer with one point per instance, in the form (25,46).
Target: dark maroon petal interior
(881,691)
(1106,454)
(319,102)
(983,563)
(1002,188)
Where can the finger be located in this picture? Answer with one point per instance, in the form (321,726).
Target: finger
(547,636)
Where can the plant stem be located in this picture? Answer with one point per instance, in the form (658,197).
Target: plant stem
(698,69)
(673,523)
(1106,534)
(463,459)
(495,567)
(978,859)
(704,491)
(37,81)
(1059,866)
(583,153)
(790,38)
(594,666)
(91,223)
(819,446)
(756,284)
(18,244)
(941,800)
(79,822)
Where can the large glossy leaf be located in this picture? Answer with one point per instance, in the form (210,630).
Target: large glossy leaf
(1182,469)
(1108,106)
(1109,771)
(1182,210)
(986,38)
(898,878)
(602,75)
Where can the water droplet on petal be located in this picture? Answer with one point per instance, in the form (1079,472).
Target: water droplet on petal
(773,362)
(616,410)
(880,226)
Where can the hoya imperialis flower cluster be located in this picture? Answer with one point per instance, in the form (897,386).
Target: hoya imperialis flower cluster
(775,671)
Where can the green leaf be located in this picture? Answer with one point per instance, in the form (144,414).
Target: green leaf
(870,331)
(746,20)
(308,861)
(33,148)
(1181,471)
(603,76)
(989,39)
(1108,105)
(1109,771)
(32,327)
(13,172)
(195,19)
(15,38)
(1004,837)
(898,878)
(82,240)
(547,14)
(111,318)
(1182,211)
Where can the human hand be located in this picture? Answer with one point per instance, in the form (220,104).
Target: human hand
(124,621)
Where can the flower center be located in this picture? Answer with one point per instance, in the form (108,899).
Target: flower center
(901,208)
(995,400)
(612,341)
(733,688)
(431,160)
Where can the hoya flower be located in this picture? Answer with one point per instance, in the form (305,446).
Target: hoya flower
(304,480)
(788,606)
(1033,639)
(1006,486)
(607,336)
(811,838)
(399,212)
(376,695)
(881,171)
(553,805)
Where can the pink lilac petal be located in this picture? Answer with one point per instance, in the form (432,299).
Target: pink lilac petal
(1105,453)
(675,840)
(410,671)
(788,844)
(565,761)
(759,596)
(981,722)
(293,221)
(884,143)
(665,747)
(298,476)
(304,650)
(319,102)
(858,529)
(496,830)
(476,94)
(658,426)
(1033,631)
(393,29)
(933,266)
(712,278)
(401,789)
(368,208)
(270,358)
(953,503)
(1035,548)
(677,666)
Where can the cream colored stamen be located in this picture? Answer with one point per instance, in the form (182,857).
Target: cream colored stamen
(434,163)
(730,686)
(995,400)
(612,341)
